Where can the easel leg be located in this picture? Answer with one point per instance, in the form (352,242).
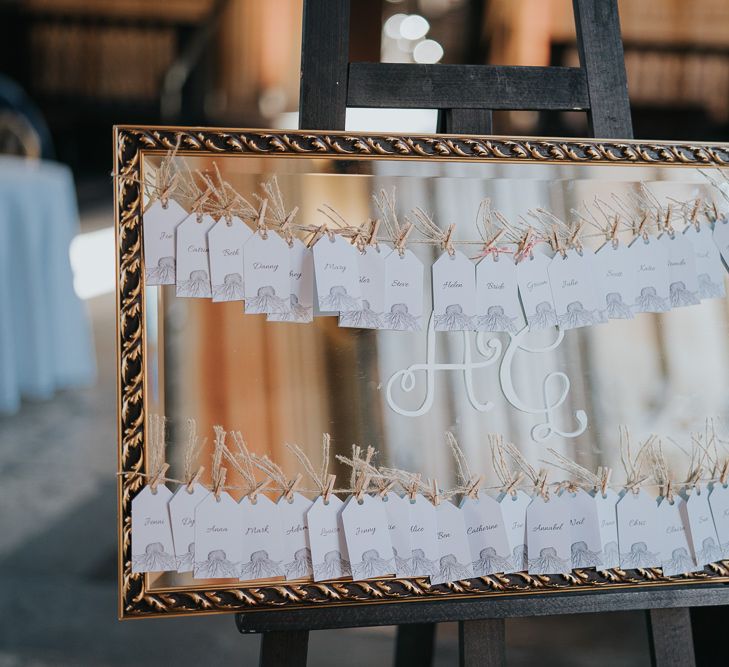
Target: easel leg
(482,643)
(414,645)
(284,649)
(670,638)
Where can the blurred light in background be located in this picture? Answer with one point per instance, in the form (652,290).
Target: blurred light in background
(92,263)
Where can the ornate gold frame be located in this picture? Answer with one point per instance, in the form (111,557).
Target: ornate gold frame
(136,597)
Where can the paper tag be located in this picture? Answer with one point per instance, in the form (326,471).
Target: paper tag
(193,267)
(225,244)
(262,539)
(454,292)
(719,503)
(454,562)
(675,548)
(295,530)
(683,283)
(696,515)
(573,289)
(514,509)
(709,269)
(650,259)
(535,292)
(159,241)
(266,278)
(152,546)
(580,512)
(616,271)
(486,533)
(371,264)
(403,292)
(182,519)
(337,275)
(301,286)
(398,522)
(423,537)
(326,539)
(721,237)
(608,524)
(368,538)
(638,531)
(218,540)
(548,536)
(497,295)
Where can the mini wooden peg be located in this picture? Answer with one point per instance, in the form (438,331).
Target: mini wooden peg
(291,488)
(373,232)
(195,478)
(363,481)
(434,491)
(220,483)
(402,238)
(261,227)
(253,495)
(386,489)
(473,485)
(158,477)
(328,488)
(447,243)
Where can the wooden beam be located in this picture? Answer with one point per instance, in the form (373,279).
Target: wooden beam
(414,644)
(670,638)
(465,121)
(482,643)
(284,649)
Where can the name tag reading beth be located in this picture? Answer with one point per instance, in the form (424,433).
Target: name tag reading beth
(225,244)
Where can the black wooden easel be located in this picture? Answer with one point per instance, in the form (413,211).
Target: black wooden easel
(465,96)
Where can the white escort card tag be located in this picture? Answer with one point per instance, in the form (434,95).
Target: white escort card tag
(675,548)
(301,286)
(193,266)
(548,536)
(454,292)
(486,533)
(266,280)
(573,289)
(182,518)
(368,538)
(709,269)
(650,259)
(580,512)
(683,283)
(514,509)
(218,539)
(225,246)
(638,531)
(721,237)
(719,503)
(696,514)
(616,274)
(423,537)
(295,530)
(497,295)
(262,539)
(403,292)
(454,563)
(398,522)
(608,523)
(372,287)
(535,292)
(152,546)
(337,274)
(160,224)
(326,539)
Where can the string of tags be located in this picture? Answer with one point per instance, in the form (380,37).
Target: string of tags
(655,256)
(372,530)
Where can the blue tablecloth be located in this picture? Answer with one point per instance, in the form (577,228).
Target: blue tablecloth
(45,335)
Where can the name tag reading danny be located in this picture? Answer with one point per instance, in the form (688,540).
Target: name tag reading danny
(266,274)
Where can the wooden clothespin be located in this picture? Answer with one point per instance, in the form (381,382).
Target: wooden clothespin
(473,486)
(375,227)
(525,245)
(402,237)
(412,489)
(541,485)
(605,474)
(158,477)
(447,242)
(435,494)
(511,487)
(261,227)
(694,215)
(197,205)
(291,488)
(220,483)
(286,227)
(360,487)
(194,479)
(386,488)
(641,228)
(253,495)
(328,488)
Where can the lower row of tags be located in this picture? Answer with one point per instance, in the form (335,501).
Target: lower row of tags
(379,535)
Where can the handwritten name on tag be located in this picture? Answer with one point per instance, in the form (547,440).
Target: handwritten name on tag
(266,277)
(371,264)
(486,533)
(696,515)
(535,291)
(301,286)
(709,269)
(454,563)
(193,266)
(454,292)
(295,533)
(573,289)
(423,530)
(218,539)
(225,245)
(337,275)
(580,512)
(608,524)
(368,537)
(152,546)
(403,292)
(159,225)
(497,296)
(329,553)
(398,523)
(514,508)
(683,282)
(675,551)
(616,274)
(638,531)
(548,536)
(182,518)
(719,503)
(650,260)
(262,540)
